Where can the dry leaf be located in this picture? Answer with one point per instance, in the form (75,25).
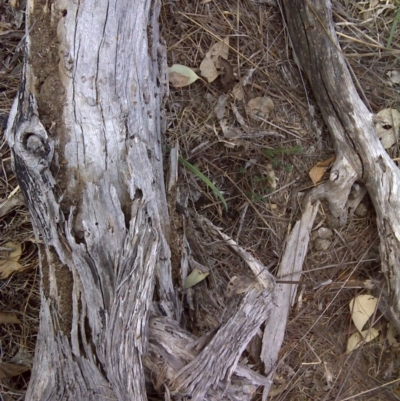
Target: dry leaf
(9,259)
(260,107)
(9,267)
(219,49)
(14,4)
(208,70)
(8,369)
(362,307)
(12,252)
(318,171)
(8,318)
(229,131)
(238,92)
(356,339)
(388,126)
(195,277)
(180,76)
(209,66)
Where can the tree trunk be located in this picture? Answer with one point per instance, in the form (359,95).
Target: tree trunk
(85,134)
(85,137)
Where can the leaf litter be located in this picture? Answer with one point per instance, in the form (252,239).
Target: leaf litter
(255,30)
(180,76)
(211,63)
(282,135)
(362,308)
(19,292)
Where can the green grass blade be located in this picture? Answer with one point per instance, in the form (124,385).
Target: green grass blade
(392,31)
(199,174)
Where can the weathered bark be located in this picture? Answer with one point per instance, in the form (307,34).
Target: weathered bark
(86,142)
(290,269)
(91,173)
(85,135)
(360,155)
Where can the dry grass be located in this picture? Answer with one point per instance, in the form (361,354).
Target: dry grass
(314,365)
(20,292)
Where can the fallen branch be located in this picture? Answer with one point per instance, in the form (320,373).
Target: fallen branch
(360,156)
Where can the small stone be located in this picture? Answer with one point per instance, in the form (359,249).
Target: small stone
(322,244)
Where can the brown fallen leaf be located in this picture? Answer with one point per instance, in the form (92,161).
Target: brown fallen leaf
(388,127)
(238,92)
(9,267)
(260,107)
(9,256)
(318,171)
(11,251)
(8,369)
(8,318)
(209,66)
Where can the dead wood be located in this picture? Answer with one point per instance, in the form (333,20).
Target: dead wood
(85,135)
(172,348)
(290,269)
(208,375)
(360,156)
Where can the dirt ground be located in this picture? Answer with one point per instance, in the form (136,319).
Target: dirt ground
(260,165)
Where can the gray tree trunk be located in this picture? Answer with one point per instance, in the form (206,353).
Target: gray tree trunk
(85,134)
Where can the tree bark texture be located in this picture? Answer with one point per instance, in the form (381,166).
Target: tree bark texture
(360,156)
(85,137)
(85,134)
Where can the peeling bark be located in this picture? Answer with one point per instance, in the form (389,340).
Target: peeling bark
(85,134)
(89,163)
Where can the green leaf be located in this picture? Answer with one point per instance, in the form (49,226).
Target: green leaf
(199,174)
(180,76)
(194,277)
